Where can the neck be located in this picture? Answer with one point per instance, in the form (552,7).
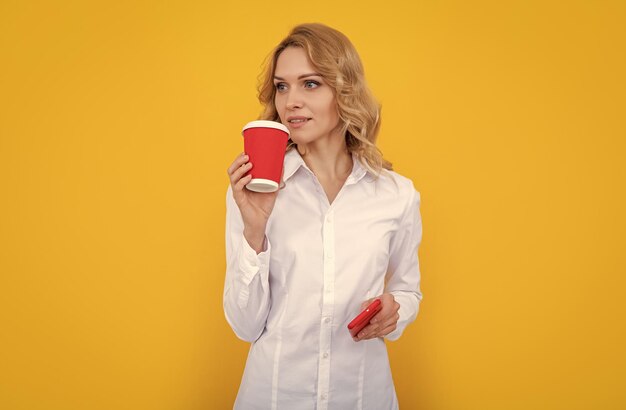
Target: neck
(329,159)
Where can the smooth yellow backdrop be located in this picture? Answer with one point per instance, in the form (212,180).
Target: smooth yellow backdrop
(119,119)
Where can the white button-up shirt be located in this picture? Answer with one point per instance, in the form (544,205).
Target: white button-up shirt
(294,300)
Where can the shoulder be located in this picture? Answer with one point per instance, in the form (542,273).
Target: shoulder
(398,186)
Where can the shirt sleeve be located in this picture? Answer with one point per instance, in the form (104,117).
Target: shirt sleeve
(246,287)
(403,276)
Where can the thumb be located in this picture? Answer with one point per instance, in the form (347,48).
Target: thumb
(366,303)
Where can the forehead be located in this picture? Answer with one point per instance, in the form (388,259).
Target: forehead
(292,62)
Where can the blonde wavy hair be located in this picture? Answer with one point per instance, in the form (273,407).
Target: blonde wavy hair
(334,57)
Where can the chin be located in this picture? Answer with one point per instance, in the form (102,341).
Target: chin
(299,137)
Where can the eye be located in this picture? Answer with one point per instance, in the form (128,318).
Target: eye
(280,87)
(311,84)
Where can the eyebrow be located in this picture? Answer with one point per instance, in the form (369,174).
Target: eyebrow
(300,77)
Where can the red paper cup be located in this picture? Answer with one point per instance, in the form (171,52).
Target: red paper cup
(265,143)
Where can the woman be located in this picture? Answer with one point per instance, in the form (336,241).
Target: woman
(303,261)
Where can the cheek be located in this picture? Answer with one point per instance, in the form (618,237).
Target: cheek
(332,108)
(333,114)
(280,106)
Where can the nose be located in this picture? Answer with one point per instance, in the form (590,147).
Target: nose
(294,100)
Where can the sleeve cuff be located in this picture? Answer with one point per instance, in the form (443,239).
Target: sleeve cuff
(250,262)
(409,307)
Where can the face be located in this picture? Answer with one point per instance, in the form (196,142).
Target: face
(304,101)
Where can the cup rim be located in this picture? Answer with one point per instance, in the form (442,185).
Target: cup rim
(265,124)
(262,185)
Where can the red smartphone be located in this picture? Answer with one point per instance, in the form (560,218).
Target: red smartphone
(363,319)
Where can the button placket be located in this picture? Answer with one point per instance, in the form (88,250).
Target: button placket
(328,296)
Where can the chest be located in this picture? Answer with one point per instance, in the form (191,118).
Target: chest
(358,225)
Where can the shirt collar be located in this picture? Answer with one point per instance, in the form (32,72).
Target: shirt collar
(293,162)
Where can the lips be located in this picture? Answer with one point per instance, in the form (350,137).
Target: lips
(297,121)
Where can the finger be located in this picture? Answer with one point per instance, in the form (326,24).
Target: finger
(241,184)
(389,308)
(379,317)
(385,321)
(239,173)
(379,332)
(387,314)
(387,325)
(373,324)
(368,332)
(384,304)
(392,321)
(379,326)
(236,165)
(384,332)
(367,303)
(241,159)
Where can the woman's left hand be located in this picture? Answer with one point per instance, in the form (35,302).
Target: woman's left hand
(384,322)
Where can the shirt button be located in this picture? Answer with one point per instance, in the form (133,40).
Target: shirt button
(325,355)
(327,320)
(323,396)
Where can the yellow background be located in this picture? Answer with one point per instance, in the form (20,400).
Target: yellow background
(119,119)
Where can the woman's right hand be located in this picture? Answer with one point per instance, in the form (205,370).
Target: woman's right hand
(255,207)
